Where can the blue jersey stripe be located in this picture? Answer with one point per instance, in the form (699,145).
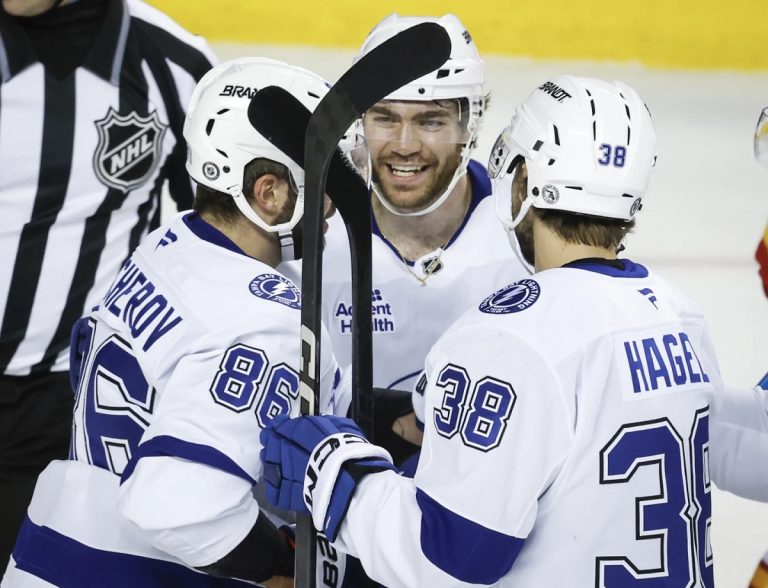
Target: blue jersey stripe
(462,548)
(66,563)
(172,447)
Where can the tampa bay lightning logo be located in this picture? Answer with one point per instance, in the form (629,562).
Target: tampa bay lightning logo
(512,298)
(277,289)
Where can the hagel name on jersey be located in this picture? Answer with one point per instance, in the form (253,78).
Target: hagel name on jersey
(663,362)
(383,317)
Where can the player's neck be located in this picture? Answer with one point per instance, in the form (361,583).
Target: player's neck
(252,240)
(415,236)
(552,251)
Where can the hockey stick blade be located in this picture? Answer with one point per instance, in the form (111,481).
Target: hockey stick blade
(282,119)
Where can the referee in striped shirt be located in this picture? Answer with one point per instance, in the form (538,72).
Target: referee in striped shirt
(92,101)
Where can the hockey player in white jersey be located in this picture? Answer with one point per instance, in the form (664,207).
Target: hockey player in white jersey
(434,247)
(576,419)
(190,353)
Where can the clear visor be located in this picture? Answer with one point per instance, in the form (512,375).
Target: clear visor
(353,146)
(430,122)
(761,139)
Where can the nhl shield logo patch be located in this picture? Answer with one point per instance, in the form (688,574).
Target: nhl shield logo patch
(128,150)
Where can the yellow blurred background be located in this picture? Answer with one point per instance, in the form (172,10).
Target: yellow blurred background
(686,34)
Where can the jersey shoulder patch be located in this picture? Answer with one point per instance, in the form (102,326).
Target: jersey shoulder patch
(512,298)
(276,288)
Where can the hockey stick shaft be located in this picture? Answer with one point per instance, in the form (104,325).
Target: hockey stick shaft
(398,61)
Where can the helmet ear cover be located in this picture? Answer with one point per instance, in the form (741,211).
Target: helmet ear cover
(461,77)
(221,142)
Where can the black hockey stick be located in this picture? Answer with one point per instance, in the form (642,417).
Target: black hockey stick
(396,62)
(283,119)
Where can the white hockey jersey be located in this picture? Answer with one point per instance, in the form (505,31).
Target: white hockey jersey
(567,442)
(191,351)
(408,317)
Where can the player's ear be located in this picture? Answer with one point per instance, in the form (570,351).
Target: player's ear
(265,195)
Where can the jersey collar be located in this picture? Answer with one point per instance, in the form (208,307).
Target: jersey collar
(615,268)
(105,57)
(481,189)
(209,233)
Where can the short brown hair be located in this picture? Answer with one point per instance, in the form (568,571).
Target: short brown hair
(221,206)
(585,230)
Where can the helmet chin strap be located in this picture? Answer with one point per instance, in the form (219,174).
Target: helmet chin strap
(288,249)
(432,207)
(287,236)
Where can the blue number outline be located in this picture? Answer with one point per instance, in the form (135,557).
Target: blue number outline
(606,158)
(243,399)
(454,381)
(282,387)
(136,408)
(481,387)
(691,512)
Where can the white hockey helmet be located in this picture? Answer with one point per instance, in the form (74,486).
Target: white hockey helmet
(589,146)
(221,141)
(461,76)
(761,139)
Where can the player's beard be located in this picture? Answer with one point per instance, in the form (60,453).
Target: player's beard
(524,229)
(416,198)
(524,234)
(286,212)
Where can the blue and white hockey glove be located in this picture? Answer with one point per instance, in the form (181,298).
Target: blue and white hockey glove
(763,383)
(315,463)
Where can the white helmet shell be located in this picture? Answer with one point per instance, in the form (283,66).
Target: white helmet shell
(589,146)
(221,141)
(461,76)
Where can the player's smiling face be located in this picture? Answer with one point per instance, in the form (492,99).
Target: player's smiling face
(415,148)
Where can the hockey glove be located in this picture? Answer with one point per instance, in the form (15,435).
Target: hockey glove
(315,463)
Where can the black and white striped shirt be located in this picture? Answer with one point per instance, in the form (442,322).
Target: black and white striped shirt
(82,162)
